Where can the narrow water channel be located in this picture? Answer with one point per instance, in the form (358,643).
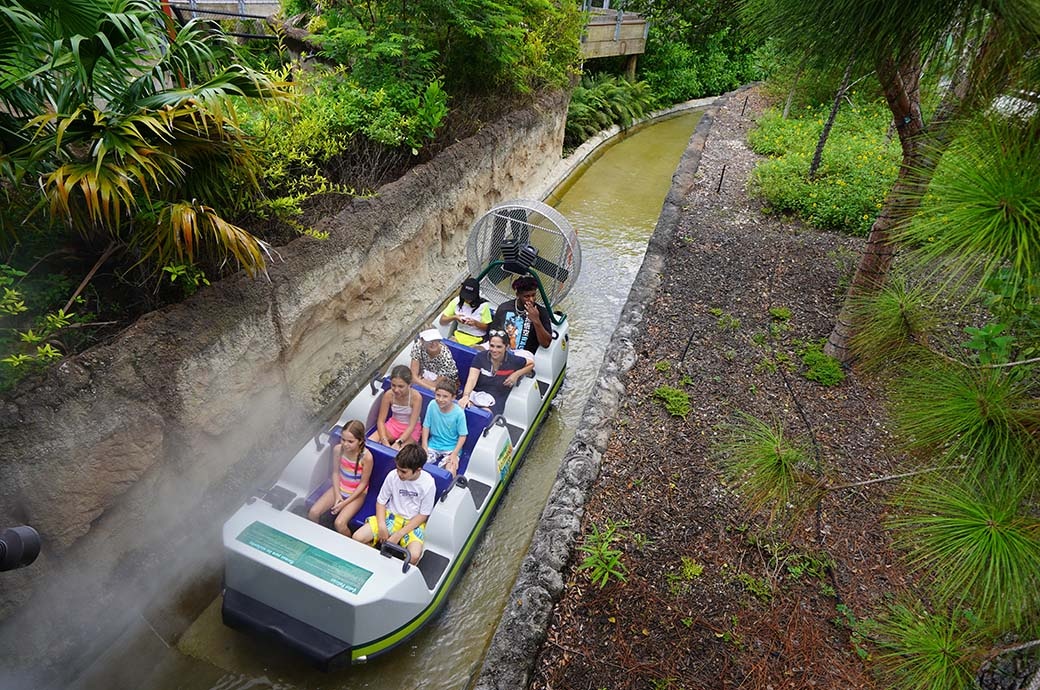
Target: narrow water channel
(613,203)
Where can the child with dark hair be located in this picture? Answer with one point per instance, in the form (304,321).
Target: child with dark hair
(403,404)
(405,502)
(527,322)
(471,314)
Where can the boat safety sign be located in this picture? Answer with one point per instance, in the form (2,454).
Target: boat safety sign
(309,559)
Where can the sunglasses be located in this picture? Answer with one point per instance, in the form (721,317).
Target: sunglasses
(498,333)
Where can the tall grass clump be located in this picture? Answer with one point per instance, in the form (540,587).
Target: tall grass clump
(763,465)
(966,415)
(893,324)
(982,211)
(859,165)
(980,541)
(922,650)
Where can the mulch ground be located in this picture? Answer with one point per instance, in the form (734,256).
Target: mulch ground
(714,597)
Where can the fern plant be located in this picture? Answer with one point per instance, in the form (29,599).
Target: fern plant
(602,101)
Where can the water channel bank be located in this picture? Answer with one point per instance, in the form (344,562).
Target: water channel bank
(614,203)
(715,595)
(521,631)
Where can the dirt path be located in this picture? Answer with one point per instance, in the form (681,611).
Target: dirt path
(713,599)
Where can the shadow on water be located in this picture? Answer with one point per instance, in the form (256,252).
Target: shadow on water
(613,203)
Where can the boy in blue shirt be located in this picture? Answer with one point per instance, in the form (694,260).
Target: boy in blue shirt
(444,427)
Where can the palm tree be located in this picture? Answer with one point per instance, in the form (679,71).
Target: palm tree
(983,49)
(119,128)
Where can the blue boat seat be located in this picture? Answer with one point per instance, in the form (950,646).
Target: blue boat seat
(382,465)
(463,356)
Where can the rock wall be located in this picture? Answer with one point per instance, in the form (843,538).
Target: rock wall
(128,457)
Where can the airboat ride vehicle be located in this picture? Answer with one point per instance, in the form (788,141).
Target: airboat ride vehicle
(338,601)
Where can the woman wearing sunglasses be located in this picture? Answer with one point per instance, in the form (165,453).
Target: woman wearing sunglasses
(493,374)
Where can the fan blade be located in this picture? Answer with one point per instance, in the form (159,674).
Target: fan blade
(521,229)
(548,268)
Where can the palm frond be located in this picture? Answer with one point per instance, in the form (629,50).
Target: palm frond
(184,229)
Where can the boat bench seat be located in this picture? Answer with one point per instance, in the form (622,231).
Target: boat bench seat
(463,356)
(382,465)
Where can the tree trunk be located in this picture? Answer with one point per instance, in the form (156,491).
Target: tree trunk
(794,87)
(877,256)
(900,86)
(981,75)
(818,154)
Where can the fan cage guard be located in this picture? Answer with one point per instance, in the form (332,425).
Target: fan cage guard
(530,222)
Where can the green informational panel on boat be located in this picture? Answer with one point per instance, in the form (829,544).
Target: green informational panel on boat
(309,559)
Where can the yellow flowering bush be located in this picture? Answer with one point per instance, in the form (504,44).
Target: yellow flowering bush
(859,165)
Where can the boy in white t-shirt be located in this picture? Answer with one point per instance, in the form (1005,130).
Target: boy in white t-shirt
(405,501)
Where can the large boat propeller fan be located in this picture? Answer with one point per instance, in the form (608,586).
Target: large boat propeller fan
(524,237)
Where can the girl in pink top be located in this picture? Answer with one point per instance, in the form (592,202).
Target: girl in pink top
(350,475)
(403,403)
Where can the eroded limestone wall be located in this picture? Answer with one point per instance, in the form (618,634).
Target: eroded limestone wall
(129,457)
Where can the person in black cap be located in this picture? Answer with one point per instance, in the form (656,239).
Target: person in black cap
(471,314)
(525,321)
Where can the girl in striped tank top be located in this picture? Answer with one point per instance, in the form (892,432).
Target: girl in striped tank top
(350,474)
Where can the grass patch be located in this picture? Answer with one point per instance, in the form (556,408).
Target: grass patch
(676,402)
(819,367)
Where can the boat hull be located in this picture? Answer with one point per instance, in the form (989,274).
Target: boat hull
(336,601)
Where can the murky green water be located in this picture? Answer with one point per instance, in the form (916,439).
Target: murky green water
(613,204)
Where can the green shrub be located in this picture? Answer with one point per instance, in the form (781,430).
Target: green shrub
(333,124)
(979,541)
(819,367)
(676,402)
(678,70)
(921,650)
(35,328)
(859,165)
(478,47)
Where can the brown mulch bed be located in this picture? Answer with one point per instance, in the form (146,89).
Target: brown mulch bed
(764,611)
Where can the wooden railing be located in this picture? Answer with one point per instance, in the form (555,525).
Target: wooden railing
(613,32)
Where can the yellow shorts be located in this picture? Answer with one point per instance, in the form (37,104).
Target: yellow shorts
(394,523)
(467,339)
